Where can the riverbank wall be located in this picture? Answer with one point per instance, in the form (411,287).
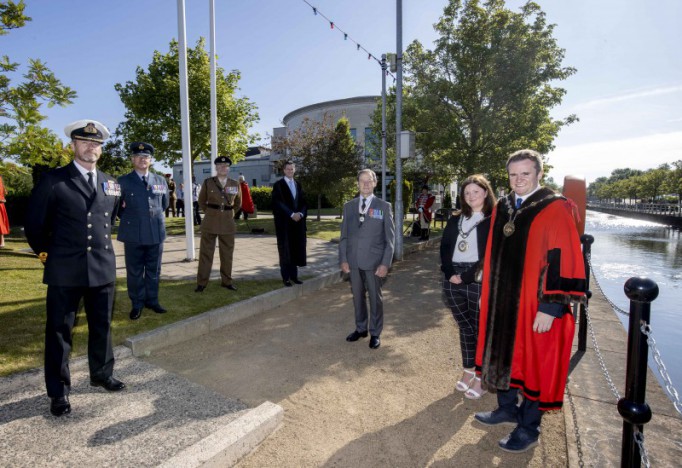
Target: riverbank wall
(593,424)
(675,221)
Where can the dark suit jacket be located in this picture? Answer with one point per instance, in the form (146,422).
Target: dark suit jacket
(291,235)
(370,245)
(73,227)
(143,217)
(447,248)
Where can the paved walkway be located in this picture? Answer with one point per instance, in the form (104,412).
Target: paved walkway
(138,432)
(255,257)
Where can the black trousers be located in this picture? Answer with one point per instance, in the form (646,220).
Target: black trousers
(528,415)
(197,216)
(62,305)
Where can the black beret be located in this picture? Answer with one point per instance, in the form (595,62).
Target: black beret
(223,160)
(141,148)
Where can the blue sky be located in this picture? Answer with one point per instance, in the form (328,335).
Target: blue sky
(627,91)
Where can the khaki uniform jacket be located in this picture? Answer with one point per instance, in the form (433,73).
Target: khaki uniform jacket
(219,205)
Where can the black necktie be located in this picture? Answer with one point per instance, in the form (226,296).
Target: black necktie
(364,201)
(91,181)
(144,181)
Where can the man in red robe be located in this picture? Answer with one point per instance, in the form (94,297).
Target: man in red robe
(533,271)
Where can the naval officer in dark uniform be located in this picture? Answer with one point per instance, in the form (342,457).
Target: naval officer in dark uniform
(142,230)
(68,225)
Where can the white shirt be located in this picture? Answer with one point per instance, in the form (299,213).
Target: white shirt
(523,197)
(471,253)
(292,185)
(84,172)
(367,202)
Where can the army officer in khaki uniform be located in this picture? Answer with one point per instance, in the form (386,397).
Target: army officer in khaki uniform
(220,198)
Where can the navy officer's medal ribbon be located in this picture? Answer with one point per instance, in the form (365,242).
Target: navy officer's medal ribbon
(111,188)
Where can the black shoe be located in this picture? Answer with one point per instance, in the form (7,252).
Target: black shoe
(519,440)
(374,342)
(135,313)
(297,281)
(111,384)
(200,288)
(158,308)
(356,335)
(287,283)
(231,287)
(60,406)
(495,417)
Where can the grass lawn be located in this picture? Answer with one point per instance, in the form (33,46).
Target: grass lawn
(22,298)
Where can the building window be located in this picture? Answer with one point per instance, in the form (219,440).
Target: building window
(372,145)
(354,134)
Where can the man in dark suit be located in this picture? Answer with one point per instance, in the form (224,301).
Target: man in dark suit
(68,224)
(143,229)
(366,252)
(289,209)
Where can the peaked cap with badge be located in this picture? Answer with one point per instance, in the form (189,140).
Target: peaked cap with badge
(140,148)
(88,130)
(223,160)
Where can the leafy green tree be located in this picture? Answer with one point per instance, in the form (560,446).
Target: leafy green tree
(486,89)
(324,154)
(152,104)
(22,138)
(674,181)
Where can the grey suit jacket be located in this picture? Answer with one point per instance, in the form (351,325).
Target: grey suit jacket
(367,245)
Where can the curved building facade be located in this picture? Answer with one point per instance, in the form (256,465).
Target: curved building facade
(358,111)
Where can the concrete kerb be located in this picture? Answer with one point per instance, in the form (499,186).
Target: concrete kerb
(234,441)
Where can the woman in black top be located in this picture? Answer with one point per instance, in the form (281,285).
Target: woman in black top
(461,251)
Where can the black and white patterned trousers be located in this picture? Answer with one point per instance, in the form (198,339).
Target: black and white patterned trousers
(462,299)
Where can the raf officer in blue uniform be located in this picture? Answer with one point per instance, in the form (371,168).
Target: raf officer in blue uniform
(144,200)
(68,225)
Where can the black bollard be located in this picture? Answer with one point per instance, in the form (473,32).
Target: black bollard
(634,410)
(586,240)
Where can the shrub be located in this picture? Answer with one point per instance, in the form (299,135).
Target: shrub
(262,197)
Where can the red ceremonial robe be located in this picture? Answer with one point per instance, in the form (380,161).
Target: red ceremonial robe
(541,262)
(425,201)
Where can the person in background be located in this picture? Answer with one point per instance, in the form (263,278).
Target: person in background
(172,197)
(4,220)
(180,202)
(219,198)
(195,201)
(68,225)
(144,198)
(533,271)
(247,202)
(290,210)
(461,255)
(423,206)
(366,252)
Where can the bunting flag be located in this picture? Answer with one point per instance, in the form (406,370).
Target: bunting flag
(346,37)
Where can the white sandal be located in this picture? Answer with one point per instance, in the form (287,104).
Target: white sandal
(472,394)
(463,386)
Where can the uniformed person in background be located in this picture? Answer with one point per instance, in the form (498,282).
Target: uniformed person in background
(143,229)
(68,225)
(172,197)
(220,197)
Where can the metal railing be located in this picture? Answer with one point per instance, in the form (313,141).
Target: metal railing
(667,209)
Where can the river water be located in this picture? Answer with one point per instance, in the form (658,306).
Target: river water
(624,248)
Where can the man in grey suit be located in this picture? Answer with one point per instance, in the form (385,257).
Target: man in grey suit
(142,230)
(366,252)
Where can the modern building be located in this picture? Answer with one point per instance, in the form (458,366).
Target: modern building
(358,111)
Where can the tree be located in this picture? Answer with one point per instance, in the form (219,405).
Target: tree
(486,89)
(324,154)
(674,182)
(152,104)
(21,136)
